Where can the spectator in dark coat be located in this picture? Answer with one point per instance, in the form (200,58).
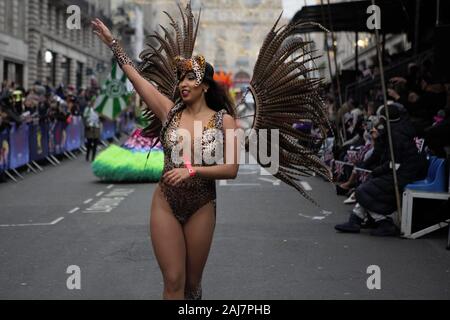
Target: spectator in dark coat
(437,136)
(376,197)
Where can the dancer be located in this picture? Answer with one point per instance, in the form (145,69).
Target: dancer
(183,208)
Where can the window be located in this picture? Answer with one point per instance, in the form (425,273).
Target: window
(13,72)
(8,16)
(21,19)
(2,17)
(65,67)
(79,75)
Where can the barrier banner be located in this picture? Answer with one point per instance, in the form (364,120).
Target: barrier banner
(19,146)
(108,130)
(73,134)
(4,150)
(127,125)
(82,133)
(38,141)
(56,137)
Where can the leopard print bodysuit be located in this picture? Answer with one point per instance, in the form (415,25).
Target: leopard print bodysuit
(193,193)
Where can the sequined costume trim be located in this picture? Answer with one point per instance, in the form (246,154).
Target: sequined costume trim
(195,64)
(121,56)
(194,294)
(193,193)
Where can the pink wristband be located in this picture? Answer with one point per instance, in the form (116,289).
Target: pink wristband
(191,170)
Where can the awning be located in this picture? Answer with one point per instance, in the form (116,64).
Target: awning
(397,16)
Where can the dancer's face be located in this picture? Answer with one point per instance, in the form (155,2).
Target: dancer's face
(189,92)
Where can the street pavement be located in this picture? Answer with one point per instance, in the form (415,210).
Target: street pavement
(269,243)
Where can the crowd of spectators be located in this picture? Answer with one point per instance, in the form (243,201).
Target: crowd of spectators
(41,103)
(419,113)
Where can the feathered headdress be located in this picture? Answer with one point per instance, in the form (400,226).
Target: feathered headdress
(159,63)
(284,93)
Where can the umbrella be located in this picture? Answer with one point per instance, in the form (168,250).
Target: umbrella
(114,95)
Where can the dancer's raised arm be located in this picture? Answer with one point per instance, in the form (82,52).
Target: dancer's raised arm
(157,102)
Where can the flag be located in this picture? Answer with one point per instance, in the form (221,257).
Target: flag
(338,168)
(352,156)
(419,143)
(362,175)
(114,95)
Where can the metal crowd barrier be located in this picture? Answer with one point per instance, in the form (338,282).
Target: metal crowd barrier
(28,143)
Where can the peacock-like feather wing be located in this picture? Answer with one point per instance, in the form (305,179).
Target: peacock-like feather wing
(286,94)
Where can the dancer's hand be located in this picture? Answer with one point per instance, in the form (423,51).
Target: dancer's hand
(175,176)
(102,31)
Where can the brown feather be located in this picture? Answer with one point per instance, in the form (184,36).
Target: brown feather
(284,95)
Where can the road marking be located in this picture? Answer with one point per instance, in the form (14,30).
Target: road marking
(237,184)
(306,185)
(74,210)
(56,221)
(109,201)
(100,193)
(87,201)
(247,172)
(324,213)
(304,216)
(275,182)
(33,224)
(110,186)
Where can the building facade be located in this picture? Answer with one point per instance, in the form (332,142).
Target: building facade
(346,42)
(13,41)
(231,32)
(37,45)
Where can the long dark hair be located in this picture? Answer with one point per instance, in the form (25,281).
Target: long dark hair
(217,98)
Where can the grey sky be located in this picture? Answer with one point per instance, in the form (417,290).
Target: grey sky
(290,7)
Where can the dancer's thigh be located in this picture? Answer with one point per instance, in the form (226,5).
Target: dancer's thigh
(167,238)
(198,233)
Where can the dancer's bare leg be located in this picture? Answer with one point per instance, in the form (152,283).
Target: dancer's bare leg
(169,246)
(198,233)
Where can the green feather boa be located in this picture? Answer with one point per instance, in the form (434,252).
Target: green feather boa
(120,164)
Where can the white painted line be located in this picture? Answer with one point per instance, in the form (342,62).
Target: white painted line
(109,201)
(56,221)
(74,210)
(264,172)
(33,224)
(247,172)
(99,194)
(87,201)
(318,218)
(225,183)
(306,185)
(110,186)
(275,182)
(305,216)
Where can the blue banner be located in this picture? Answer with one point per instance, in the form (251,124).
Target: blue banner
(73,134)
(19,146)
(109,130)
(4,150)
(126,124)
(38,141)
